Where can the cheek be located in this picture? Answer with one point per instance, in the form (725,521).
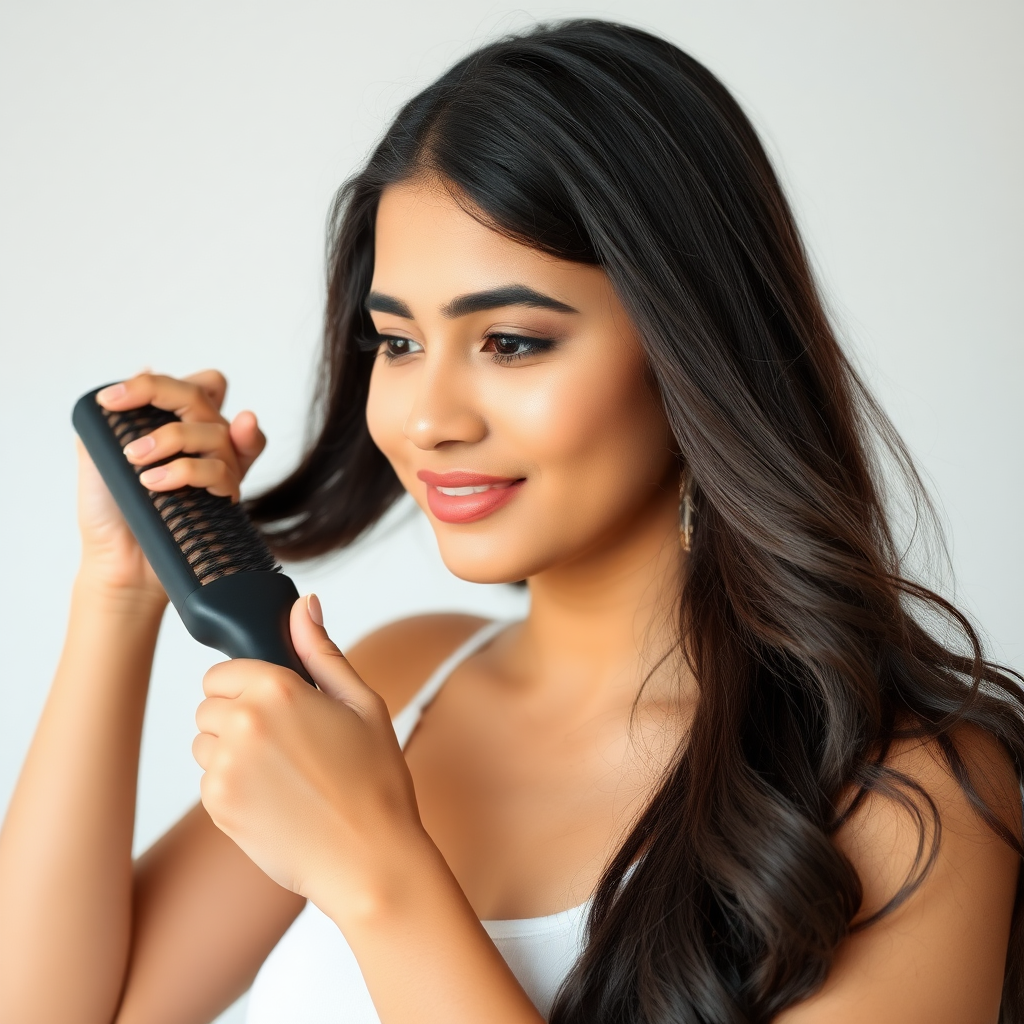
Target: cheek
(387,407)
(602,430)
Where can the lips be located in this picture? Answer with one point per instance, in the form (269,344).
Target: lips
(463,497)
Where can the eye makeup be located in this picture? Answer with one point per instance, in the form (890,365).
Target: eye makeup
(505,347)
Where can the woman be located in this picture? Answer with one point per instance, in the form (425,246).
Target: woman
(731,767)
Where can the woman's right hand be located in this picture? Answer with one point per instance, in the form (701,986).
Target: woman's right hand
(215,454)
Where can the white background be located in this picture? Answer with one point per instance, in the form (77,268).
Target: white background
(166,169)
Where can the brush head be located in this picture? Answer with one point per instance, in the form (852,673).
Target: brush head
(213,533)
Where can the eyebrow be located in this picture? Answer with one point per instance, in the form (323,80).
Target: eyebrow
(380,303)
(474,302)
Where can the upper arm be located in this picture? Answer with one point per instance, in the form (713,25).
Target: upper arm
(940,956)
(204,920)
(398,658)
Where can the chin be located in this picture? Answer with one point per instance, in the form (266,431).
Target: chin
(482,569)
(486,559)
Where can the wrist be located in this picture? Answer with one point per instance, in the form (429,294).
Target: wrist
(423,952)
(93,588)
(405,875)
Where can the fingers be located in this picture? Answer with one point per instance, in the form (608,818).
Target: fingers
(189,400)
(227,450)
(325,663)
(212,713)
(218,471)
(190,438)
(262,680)
(213,475)
(308,633)
(247,438)
(212,383)
(203,747)
(212,720)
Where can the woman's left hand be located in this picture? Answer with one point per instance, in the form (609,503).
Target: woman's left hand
(311,784)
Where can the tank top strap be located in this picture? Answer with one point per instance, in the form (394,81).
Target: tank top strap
(408,718)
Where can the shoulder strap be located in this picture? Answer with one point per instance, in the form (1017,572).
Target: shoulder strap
(408,718)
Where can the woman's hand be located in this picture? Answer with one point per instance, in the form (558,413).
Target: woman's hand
(311,784)
(216,455)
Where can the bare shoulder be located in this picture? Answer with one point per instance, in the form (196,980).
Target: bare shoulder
(396,659)
(881,837)
(940,955)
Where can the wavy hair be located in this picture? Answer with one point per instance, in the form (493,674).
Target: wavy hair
(605,145)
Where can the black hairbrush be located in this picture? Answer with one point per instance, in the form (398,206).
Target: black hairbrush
(216,568)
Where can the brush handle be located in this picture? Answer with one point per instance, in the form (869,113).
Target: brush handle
(246,616)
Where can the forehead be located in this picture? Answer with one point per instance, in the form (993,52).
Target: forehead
(426,243)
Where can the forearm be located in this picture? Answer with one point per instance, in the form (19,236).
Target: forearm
(65,847)
(422,950)
(311,784)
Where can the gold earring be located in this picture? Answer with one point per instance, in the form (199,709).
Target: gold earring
(686,511)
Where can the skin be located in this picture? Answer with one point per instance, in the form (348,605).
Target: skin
(305,792)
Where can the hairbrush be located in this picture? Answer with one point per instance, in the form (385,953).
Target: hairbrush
(216,568)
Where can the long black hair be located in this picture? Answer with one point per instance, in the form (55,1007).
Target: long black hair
(605,145)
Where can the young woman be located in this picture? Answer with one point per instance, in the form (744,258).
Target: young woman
(732,767)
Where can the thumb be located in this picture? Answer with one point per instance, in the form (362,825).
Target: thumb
(326,664)
(247,438)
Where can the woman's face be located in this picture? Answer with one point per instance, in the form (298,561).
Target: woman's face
(510,394)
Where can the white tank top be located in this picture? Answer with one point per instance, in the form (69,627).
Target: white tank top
(311,975)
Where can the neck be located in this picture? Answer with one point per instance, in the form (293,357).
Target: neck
(605,620)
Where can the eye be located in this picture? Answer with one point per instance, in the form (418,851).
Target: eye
(507,348)
(395,348)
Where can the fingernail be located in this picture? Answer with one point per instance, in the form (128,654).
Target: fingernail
(111,394)
(316,613)
(143,446)
(153,476)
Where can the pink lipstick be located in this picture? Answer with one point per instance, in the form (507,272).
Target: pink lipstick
(463,497)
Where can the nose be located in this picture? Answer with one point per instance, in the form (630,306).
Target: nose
(444,410)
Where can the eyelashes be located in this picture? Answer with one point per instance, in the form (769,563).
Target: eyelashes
(505,348)
(392,348)
(367,342)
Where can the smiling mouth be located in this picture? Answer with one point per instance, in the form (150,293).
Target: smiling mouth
(461,492)
(463,497)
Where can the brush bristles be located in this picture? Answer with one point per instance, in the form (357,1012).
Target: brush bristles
(214,535)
